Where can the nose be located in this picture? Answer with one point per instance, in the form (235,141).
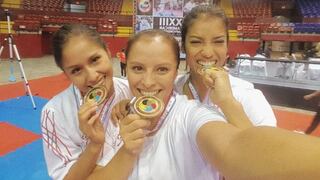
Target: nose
(207,51)
(92,76)
(148,80)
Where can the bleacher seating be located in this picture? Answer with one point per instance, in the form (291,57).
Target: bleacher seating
(307,28)
(252,8)
(105,7)
(107,26)
(33,22)
(309,8)
(43,5)
(250,29)
(26,25)
(293,28)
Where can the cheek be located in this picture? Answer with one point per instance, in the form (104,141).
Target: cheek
(223,55)
(107,68)
(192,54)
(133,80)
(168,81)
(79,82)
(109,72)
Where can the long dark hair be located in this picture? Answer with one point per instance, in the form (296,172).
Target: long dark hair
(194,14)
(61,37)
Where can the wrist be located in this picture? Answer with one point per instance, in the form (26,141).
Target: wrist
(127,153)
(94,147)
(227,102)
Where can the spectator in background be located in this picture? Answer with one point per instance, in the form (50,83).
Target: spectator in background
(122,58)
(317,50)
(268,51)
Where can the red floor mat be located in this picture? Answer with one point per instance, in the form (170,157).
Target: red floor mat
(295,121)
(49,86)
(44,87)
(12,138)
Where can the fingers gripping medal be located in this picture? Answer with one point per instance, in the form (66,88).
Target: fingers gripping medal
(148,106)
(97,94)
(207,68)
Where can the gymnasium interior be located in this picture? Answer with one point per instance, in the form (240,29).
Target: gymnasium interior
(275,44)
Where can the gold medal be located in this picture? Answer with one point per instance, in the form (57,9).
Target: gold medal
(97,94)
(148,106)
(209,68)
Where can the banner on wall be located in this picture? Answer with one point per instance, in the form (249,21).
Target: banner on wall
(163,14)
(169,24)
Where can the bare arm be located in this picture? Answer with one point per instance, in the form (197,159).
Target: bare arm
(86,163)
(91,126)
(260,152)
(312,95)
(221,94)
(234,113)
(120,167)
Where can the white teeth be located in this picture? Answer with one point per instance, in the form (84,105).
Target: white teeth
(145,93)
(207,63)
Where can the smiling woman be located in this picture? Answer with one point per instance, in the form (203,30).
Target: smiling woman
(192,141)
(204,36)
(73,128)
(152,72)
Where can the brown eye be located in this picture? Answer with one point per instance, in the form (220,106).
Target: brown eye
(75,71)
(95,59)
(219,41)
(195,42)
(162,70)
(137,68)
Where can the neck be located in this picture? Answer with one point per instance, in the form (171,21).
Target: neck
(199,86)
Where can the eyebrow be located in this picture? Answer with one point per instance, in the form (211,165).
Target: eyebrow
(139,63)
(71,67)
(198,37)
(90,58)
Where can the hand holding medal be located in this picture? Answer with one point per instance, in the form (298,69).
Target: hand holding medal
(209,74)
(97,94)
(146,106)
(217,80)
(89,115)
(210,68)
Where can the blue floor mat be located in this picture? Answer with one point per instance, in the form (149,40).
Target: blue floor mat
(28,161)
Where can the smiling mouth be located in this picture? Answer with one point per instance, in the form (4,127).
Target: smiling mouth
(207,64)
(148,93)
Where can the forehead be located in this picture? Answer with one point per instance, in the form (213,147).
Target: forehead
(157,49)
(78,48)
(80,42)
(207,24)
